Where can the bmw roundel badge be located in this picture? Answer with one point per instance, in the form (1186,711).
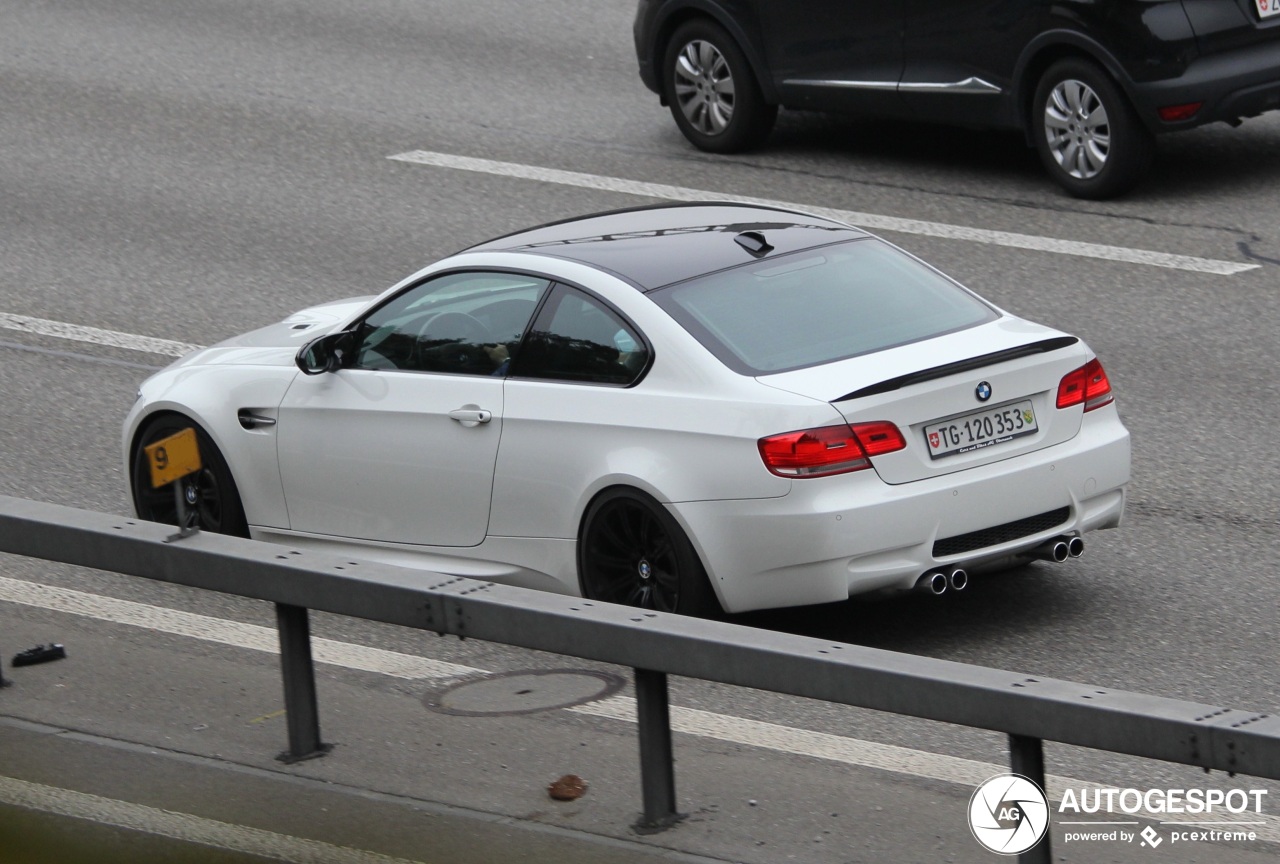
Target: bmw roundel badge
(983,392)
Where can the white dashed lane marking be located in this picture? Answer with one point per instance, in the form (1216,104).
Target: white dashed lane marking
(871,221)
(95,335)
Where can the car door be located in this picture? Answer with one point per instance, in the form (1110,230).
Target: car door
(398,445)
(835,54)
(960,58)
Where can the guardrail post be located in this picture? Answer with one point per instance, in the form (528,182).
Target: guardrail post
(1026,757)
(299,684)
(657,761)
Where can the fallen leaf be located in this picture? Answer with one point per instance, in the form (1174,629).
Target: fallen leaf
(570,787)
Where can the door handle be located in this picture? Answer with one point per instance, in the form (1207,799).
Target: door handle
(470,415)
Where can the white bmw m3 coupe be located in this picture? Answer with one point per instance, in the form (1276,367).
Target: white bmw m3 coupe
(689,408)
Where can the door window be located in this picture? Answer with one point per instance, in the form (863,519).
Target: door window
(461,323)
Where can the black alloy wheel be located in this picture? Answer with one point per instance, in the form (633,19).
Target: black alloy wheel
(210,495)
(1090,139)
(633,552)
(712,92)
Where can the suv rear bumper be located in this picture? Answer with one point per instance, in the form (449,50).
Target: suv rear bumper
(1244,82)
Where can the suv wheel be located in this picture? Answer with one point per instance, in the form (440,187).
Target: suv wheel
(1088,135)
(712,92)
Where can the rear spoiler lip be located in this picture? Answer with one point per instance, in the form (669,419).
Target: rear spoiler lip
(1044,346)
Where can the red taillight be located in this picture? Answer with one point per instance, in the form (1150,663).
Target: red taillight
(829,449)
(879,437)
(1087,385)
(1178,113)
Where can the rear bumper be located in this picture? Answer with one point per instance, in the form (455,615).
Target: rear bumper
(835,537)
(1243,82)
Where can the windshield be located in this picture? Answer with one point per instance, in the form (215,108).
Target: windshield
(820,305)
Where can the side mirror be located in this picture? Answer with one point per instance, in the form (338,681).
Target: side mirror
(324,353)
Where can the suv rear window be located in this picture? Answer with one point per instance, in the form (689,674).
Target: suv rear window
(820,305)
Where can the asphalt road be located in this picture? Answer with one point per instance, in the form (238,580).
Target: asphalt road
(190,171)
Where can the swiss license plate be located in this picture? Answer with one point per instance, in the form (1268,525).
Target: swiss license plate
(1267,8)
(980,429)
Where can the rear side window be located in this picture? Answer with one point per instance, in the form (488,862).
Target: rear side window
(820,305)
(577,338)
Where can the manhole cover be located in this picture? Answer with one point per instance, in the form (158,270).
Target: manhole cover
(525,692)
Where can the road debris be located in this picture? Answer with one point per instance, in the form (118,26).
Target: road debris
(39,654)
(570,787)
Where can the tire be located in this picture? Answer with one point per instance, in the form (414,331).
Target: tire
(633,552)
(712,92)
(1088,135)
(210,492)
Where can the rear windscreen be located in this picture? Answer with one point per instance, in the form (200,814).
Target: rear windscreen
(820,305)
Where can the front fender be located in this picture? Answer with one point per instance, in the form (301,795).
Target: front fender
(212,396)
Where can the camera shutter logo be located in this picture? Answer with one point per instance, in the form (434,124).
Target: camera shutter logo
(1008,814)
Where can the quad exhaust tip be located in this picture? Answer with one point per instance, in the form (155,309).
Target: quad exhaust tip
(934,582)
(937,583)
(1059,549)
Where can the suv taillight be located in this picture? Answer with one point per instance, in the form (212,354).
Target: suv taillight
(1088,385)
(829,449)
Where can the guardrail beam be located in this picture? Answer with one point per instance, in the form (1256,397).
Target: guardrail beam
(1029,709)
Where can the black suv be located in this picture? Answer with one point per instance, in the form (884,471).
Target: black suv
(1090,82)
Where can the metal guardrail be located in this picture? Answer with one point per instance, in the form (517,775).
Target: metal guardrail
(1029,709)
